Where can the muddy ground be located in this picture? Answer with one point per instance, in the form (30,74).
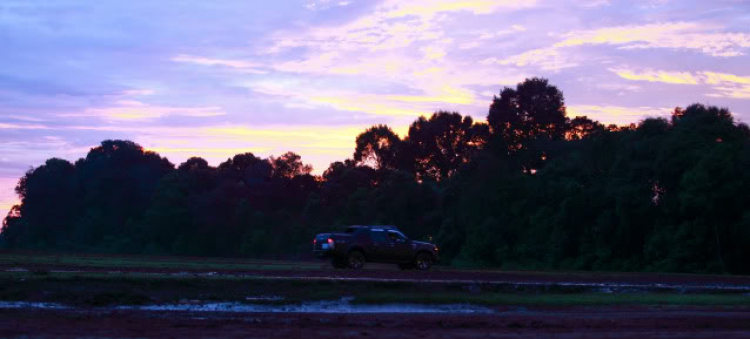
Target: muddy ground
(573,322)
(321,269)
(92,292)
(386,272)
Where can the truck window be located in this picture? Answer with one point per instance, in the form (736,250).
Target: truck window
(379,236)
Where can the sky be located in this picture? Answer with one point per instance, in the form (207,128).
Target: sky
(218,78)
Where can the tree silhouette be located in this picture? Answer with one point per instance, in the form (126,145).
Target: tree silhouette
(380,148)
(532,110)
(443,143)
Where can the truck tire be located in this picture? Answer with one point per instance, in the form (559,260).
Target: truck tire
(355,260)
(423,261)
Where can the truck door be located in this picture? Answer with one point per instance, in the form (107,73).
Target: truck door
(400,247)
(378,247)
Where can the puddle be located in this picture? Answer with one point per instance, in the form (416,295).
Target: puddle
(323,307)
(572,286)
(265,298)
(16,269)
(26,304)
(337,306)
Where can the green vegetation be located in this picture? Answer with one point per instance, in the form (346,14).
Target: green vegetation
(528,189)
(173,263)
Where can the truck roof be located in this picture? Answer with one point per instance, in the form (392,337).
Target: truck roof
(382,227)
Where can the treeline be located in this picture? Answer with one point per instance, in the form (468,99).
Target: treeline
(527,189)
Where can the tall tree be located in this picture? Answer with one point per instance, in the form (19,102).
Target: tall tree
(380,148)
(532,110)
(443,143)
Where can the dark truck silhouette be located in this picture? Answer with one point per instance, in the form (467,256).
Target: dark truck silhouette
(381,244)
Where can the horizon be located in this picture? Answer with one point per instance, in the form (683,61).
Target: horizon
(214,80)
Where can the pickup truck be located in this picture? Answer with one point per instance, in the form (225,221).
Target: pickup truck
(379,244)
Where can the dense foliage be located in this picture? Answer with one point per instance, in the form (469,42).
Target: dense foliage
(530,189)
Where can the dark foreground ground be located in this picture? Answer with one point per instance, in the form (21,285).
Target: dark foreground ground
(570,322)
(320,269)
(90,296)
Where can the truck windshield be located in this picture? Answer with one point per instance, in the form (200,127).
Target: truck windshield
(396,235)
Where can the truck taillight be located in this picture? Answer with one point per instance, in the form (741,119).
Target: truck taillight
(330,242)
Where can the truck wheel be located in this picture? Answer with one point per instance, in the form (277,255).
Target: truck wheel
(338,263)
(423,261)
(355,260)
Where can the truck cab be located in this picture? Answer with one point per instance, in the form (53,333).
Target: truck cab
(381,244)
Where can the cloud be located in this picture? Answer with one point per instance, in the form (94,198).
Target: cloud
(482,36)
(392,24)
(726,85)
(429,8)
(548,59)
(401,45)
(245,66)
(325,4)
(21,126)
(714,78)
(658,76)
(135,92)
(672,35)
(593,3)
(396,105)
(132,110)
(620,115)
(675,35)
